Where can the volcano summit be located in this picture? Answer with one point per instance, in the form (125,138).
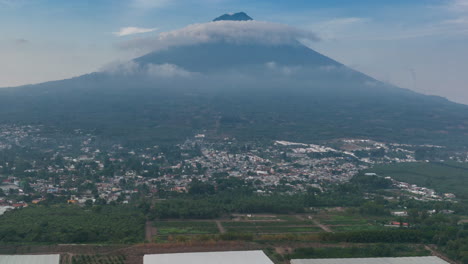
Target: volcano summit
(240,78)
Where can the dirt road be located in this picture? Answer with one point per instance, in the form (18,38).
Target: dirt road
(434,252)
(150,231)
(220,227)
(324,227)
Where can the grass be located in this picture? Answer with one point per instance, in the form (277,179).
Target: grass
(378,250)
(288,224)
(271,224)
(186,227)
(344,220)
(269,218)
(357,228)
(286,217)
(276,230)
(97,259)
(192,228)
(189,230)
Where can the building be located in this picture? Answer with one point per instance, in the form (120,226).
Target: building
(397,224)
(3,209)
(405,260)
(30,259)
(400,213)
(228,257)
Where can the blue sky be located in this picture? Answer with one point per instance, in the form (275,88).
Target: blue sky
(416,44)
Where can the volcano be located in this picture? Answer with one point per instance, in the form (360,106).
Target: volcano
(235,77)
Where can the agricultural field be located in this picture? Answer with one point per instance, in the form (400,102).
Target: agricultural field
(357,228)
(263,217)
(275,229)
(264,227)
(235,224)
(257,225)
(378,250)
(171,228)
(97,259)
(272,224)
(343,221)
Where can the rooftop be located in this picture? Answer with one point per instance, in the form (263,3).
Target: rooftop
(30,259)
(405,260)
(230,257)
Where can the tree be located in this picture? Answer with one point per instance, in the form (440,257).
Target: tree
(89,203)
(200,188)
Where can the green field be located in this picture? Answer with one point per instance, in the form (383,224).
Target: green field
(275,230)
(166,228)
(288,225)
(191,228)
(357,228)
(95,259)
(266,224)
(379,250)
(343,220)
(443,177)
(346,221)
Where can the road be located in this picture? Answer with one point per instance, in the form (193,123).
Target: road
(436,253)
(324,227)
(150,231)
(220,227)
(316,222)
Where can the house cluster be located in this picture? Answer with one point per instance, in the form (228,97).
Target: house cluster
(84,169)
(421,193)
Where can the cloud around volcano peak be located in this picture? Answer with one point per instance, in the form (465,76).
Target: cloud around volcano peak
(233,32)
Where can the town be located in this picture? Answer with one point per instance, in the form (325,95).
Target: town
(36,165)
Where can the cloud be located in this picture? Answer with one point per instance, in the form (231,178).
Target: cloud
(150,3)
(459,13)
(123,68)
(333,28)
(167,70)
(11,3)
(342,22)
(125,31)
(459,9)
(282,69)
(238,32)
(459,6)
(131,68)
(21,41)
(457,21)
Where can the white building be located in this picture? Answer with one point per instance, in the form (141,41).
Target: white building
(3,209)
(400,213)
(29,259)
(229,257)
(405,260)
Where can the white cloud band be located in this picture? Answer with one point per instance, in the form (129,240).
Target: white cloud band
(125,31)
(131,68)
(238,32)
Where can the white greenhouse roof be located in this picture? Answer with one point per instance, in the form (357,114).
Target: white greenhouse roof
(29,259)
(404,260)
(230,257)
